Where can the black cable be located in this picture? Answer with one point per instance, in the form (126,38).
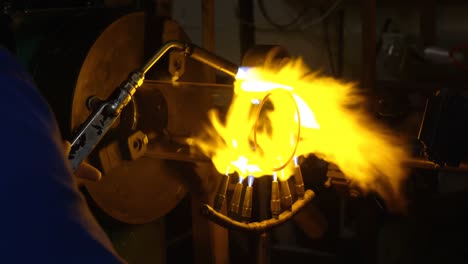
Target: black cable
(284,26)
(385,28)
(324,15)
(294,22)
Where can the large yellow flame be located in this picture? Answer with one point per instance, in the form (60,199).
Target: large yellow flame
(270,109)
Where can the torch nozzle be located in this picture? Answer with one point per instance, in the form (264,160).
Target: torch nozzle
(298,182)
(286,198)
(275,202)
(221,194)
(247,205)
(236,197)
(212,60)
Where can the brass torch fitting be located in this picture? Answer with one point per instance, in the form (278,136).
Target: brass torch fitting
(247,205)
(286,198)
(236,197)
(275,202)
(221,194)
(298,182)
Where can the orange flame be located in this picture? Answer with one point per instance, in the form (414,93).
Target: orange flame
(276,116)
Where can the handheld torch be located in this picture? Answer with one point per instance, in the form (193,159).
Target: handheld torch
(103,117)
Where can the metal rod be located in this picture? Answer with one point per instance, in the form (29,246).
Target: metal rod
(429,165)
(257,227)
(165,48)
(263,249)
(195,53)
(212,60)
(335,172)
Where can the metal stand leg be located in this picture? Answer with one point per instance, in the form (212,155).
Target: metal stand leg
(263,249)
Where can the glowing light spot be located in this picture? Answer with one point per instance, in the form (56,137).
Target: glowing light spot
(255,101)
(242,73)
(275,176)
(243,166)
(250,180)
(234,143)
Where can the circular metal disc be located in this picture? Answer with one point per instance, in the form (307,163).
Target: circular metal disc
(136,191)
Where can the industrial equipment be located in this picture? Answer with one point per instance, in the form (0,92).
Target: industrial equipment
(106,112)
(135,131)
(93,66)
(129,90)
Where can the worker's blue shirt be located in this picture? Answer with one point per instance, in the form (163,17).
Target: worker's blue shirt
(44,218)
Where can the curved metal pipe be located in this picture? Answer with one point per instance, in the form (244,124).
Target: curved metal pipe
(165,48)
(196,53)
(257,227)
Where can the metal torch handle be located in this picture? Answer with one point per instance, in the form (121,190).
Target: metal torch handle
(89,135)
(100,121)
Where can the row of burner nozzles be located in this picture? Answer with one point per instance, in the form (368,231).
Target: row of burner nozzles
(281,198)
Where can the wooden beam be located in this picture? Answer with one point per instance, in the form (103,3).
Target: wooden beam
(208,33)
(210,241)
(154,34)
(427,21)
(340,31)
(246,25)
(369,36)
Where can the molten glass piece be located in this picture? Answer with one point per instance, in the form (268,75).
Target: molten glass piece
(278,115)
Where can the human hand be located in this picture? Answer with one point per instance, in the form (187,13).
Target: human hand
(85,171)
